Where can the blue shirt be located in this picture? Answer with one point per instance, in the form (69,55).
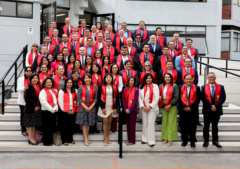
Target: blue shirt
(89,51)
(126,33)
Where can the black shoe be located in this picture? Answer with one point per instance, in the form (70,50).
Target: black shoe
(216,143)
(144,142)
(193,145)
(151,145)
(184,144)
(199,124)
(159,122)
(34,144)
(205,144)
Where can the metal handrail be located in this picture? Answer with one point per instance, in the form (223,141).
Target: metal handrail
(16,66)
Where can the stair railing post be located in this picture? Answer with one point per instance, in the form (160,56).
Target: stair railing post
(205,75)
(226,67)
(15,78)
(3,101)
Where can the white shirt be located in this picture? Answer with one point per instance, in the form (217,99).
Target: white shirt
(61,100)
(188,92)
(64,44)
(82,59)
(164,92)
(20,89)
(171,52)
(154,46)
(66,59)
(188,69)
(44,103)
(170,71)
(124,58)
(100,45)
(27,57)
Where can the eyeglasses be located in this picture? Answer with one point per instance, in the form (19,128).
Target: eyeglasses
(28,71)
(211,77)
(147,65)
(138,38)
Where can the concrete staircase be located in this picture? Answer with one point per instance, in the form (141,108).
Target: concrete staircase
(11,139)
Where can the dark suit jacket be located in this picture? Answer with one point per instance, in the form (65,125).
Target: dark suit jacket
(122,64)
(139,50)
(180,81)
(72,49)
(61,32)
(148,35)
(135,53)
(54,48)
(206,104)
(177,48)
(157,63)
(165,41)
(35,63)
(115,51)
(140,67)
(158,50)
(137,79)
(80,45)
(60,40)
(160,78)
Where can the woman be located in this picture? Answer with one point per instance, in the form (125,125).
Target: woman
(117,80)
(31,55)
(88,64)
(67,112)
(71,63)
(22,86)
(168,98)
(108,101)
(32,114)
(77,66)
(49,105)
(129,100)
(43,74)
(147,68)
(75,78)
(45,61)
(106,66)
(96,75)
(98,57)
(59,61)
(50,58)
(59,78)
(87,100)
(148,103)
(99,27)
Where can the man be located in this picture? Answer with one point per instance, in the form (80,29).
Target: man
(144,56)
(143,32)
(188,70)
(120,41)
(188,110)
(179,61)
(154,47)
(75,32)
(65,54)
(66,29)
(83,39)
(127,33)
(51,48)
(192,51)
(106,23)
(109,50)
(90,49)
(178,44)
(172,52)
(81,55)
(94,33)
(161,40)
(111,34)
(132,51)
(76,44)
(37,59)
(120,59)
(169,69)
(99,44)
(49,32)
(65,43)
(127,72)
(138,44)
(55,39)
(81,30)
(213,97)
(106,35)
(161,61)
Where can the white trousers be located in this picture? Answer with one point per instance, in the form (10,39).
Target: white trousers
(148,126)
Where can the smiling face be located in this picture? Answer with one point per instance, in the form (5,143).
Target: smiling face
(149,80)
(108,79)
(167,78)
(69,84)
(60,70)
(34,80)
(48,84)
(87,80)
(131,82)
(88,60)
(114,69)
(75,75)
(188,80)
(147,67)
(43,69)
(95,69)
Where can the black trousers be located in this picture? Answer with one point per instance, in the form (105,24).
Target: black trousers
(66,125)
(21,116)
(211,118)
(188,126)
(48,126)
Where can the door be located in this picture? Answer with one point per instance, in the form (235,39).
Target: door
(49,13)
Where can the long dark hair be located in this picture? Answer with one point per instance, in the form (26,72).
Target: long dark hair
(87,75)
(48,66)
(52,56)
(44,82)
(104,59)
(99,69)
(97,50)
(100,24)
(62,57)
(104,80)
(117,68)
(128,79)
(77,60)
(170,77)
(72,54)
(86,59)
(144,80)
(65,86)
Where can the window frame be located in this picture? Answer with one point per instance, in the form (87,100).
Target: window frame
(238,37)
(226,38)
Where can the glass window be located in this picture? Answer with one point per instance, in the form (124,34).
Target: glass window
(200,44)
(7,8)
(236,42)
(196,30)
(132,27)
(24,10)
(62,3)
(225,42)
(173,29)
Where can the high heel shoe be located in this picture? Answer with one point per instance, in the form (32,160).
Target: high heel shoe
(34,144)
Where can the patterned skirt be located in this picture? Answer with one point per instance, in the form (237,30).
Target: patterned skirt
(33,119)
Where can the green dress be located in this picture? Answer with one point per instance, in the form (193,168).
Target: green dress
(169,118)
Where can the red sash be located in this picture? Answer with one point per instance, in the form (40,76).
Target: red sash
(51,49)
(129,97)
(69,67)
(30,58)
(218,93)
(39,59)
(104,72)
(193,52)
(65,29)
(50,32)
(91,95)
(37,90)
(50,97)
(119,60)
(50,71)
(124,75)
(94,80)
(26,82)
(129,33)
(150,93)
(95,35)
(143,74)
(77,46)
(116,80)
(184,72)
(42,78)
(66,102)
(56,65)
(168,95)
(79,82)
(57,80)
(175,53)
(83,40)
(161,41)
(80,30)
(68,46)
(174,74)
(112,36)
(144,33)
(86,68)
(115,93)
(100,64)
(92,49)
(54,42)
(133,51)
(118,43)
(142,58)
(70,37)
(164,62)
(182,61)
(97,46)
(193,95)
(179,47)
(112,53)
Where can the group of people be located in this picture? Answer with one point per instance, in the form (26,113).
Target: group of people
(71,81)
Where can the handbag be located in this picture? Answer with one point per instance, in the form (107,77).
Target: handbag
(57,139)
(38,136)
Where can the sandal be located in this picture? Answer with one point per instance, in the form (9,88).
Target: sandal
(24,133)
(165,142)
(73,142)
(66,144)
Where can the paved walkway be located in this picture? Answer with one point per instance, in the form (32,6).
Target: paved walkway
(111,161)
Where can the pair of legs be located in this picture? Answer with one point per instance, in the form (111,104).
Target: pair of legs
(131,126)
(31,134)
(148,126)
(106,128)
(23,129)
(211,118)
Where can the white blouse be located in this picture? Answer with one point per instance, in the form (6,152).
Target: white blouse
(44,103)
(61,100)
(20,89)
(34,55)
